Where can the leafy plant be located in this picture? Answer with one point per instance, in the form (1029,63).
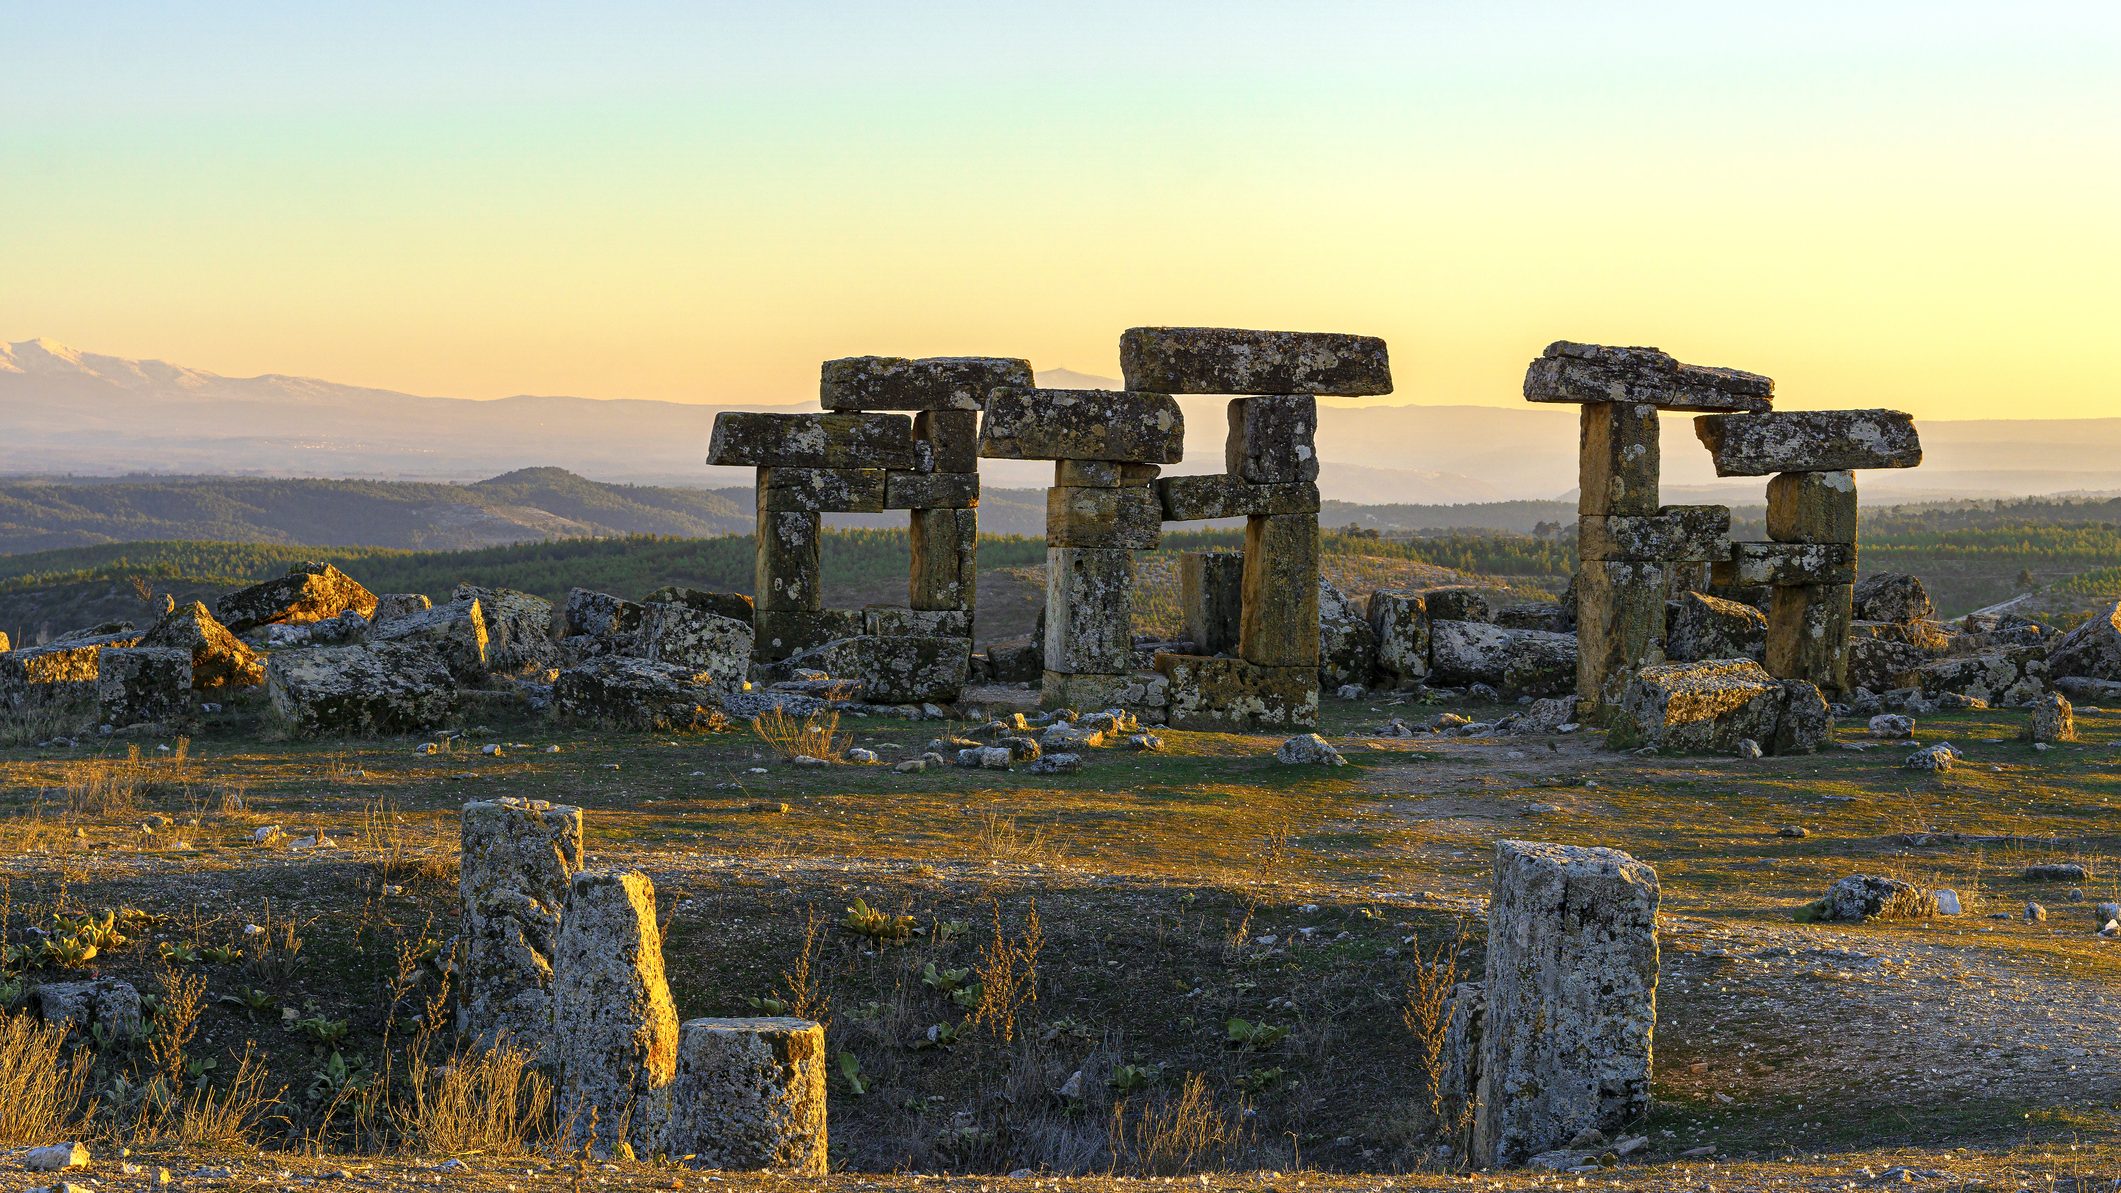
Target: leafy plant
(1129,1078)
(327,1033)
(768,1005)
(1259,1081)
(865,920)
(221,954)
(179,954)
(943,981)
(851,1073)
(1255,1037)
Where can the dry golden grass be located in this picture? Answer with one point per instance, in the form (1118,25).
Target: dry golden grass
(1180,1135)
(493,1103)
(42,1088)
(816,735)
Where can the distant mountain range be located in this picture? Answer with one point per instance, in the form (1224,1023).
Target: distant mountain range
(68,412)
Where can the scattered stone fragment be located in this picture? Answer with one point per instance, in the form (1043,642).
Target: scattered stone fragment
(309,592)
(2035,914)
(98,1007)
(2056,872)
(1308,749)
(1939,757)
(2054,720)
(56,1157)
(1057,764)
(1892,727)
(1866,896)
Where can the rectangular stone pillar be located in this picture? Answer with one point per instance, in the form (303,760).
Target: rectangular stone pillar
(790,574)
(1272,439)
(615,1029)
(1619,459)
(1571,998)
(945,573)
(1089,610)
(1808,634)
(1211,586)
(1279,627)
(515,860)
(1619,622)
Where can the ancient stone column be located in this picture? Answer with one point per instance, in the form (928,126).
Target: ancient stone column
(750,1095)
(1211,591)
(615,1029)
(517,856)
(1570,998)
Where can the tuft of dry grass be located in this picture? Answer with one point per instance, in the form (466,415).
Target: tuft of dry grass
(1175,1136)
(42,1089)
(492,1102)
(816,735)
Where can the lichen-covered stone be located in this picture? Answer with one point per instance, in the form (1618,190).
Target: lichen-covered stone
(143,685)
(219,659)
(1513,662)
(1808,634)
(1123,516)
(811,490)
(518,628)
(1347,646)
(1597,373)
(97,1007)
(1278,617)
(1228,360)
(898,621)
(1887,655)
(706,643)
(1401,623)
(1894,597)
(778,634)
(931,490)
(946,441)
(747,438)
(1221,694)
(1216,495)
(398,604)
(926,383)
(2054,719)
(454,633)
(1860,897)
(1089,610)
(1783,564)
(1812,507)
(308,592)
(1702,627)
(788,568)
(1702,707)
(1809,441)
(600,615)
(1571,998)
(1674,534)
(733,605)
(1211,588)
(516,858)
(384,687)
(1459,602)
(944,559)
(1807,723)
(2093,649)
(1619,455)
(1620,621)
(632,693)
(1273,440)
(1070,689)
(615,1029)
(749,1095)
(1082,424)
(2002,676)
(895,669)
(1103,474)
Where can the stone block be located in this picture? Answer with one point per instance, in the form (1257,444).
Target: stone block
(1596,373)
(1513,662)
(1699,707)
(1089,610)
(1102,474)
(2093,649)
(454,633)
(55,673)
(789,569)
(931,490)
(1619,457)
(1067,689)
(1401,622)
(1216,495)
(516,857)
(1273,440)
(778,634)
(1700,627)
(1347,646)
(946,441)
(1754,565)
(391,605)
(592,614)
(1807,723)
(1228,360)
(384,687)
(927,383)
(2054,720)
(893,669)
(1278,624)
(893,621)
(624,692)
(1809,441)
(1808,634)
(1083,424)
(1211,588)
(1674,534)
(733,605)
(518,628)
(1888,655)
(1221,694)
(1893,596)
(1620,621)
(95,1009)
(143,685)
(1128,516)
(1812,507)
(309,592)
(748,438)
(615,1029)
(945,559)
(749,1096)
(219,659)
(810,490)
(2007,675)
(1458,602)
(701,642)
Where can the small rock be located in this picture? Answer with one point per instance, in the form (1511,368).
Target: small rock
(1351,691)
(1308,749)
(1793,830)
(1892,727)
(808,761)
(1057,764)
(2055,872)
(1947,902)
(1748,748)
(55,1157)
(1939,758)
(911,766)
(861,756)
(2035,914)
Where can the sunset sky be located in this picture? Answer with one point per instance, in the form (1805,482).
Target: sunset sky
(1915,205)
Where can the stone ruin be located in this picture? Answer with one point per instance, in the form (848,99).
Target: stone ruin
(568,963)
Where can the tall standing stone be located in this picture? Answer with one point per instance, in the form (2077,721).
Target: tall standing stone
(789,564)
(1211,587)
(516,858)
(750,1095)
(1571,998)
(1279,626)
(1620,623)
(615,1029)
(945,552)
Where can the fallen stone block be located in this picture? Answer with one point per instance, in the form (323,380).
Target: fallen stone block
(143,685)
(1458,602)
(1597,373)
(1123,516)
(1198,498)
(516,858)
(1888,655)
(615,1029)
(1894,597)
(1807,723)
(1809,441)
(1089,607)
(1347,646)
(779,634)
(1308,749)
(1704,707)
(1210,594)
(384,687)
(946,441)
(733,605)
(92,1008)
(1082,424)
(926,383)
(1278,616)
(1401,622)
(454,633)
(700,642)
(602,616)
(219,659)
(518,628)
(53,674)
(812,490)
(891,670)
(944,546)
(2002,676)
(308,592)
(1812,507)
(1221,694)
(1786,564)
(1702,627)
(632,693)
(2093,649)
(1675,534)
(757,440)
(931,490)
(749,1095)
(1808,634)
(398,604)
(1860,897)
(1514,662)
(1228,360)
(1619,457)
(1272,440)
(896,621)
(2054,720)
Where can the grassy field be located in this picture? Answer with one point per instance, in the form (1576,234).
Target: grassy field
(1170,893)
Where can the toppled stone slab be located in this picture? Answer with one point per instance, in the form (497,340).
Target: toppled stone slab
(1894,597)
(1082,424)
(42,676)
(518,628)
(898,621)
(1216,495)
(1225,694)
(779,634)
(1272,440)
(1401,623)
(398,604)
(2093,649)
(605,622)
(811,490)
(1696,707)
(615,1036)
(97,1006)
(1812,507)
(925,383)
(1588,373)
(1702,627)
(1228,360)
(1752,565)
(308,592)
(898,669)
(1809,441)
(1887,655)
(683,635)
(1860,897)
(1675,534)
(517,857)
(385,687)
(1514,662)
(454,633)
(633,693)
(1459,602)
(747,438)
(2002,676)
(749,1095)
(143,685)
(219,659)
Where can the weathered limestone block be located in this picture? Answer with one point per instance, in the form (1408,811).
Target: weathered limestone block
(1707,706)
(1089,610)
(385,687)
(1211,587)
(931,490)
(1893,596)
(398,604)
(1082,424)
(1127,516)
(1807,723)
(789,572)
(1347,646)
(1228,360)
(1701,627)
(1068,689)
(1571,998)
(811,440)
(308,592)
(1809,441)
(897,669)
(898,621)
(1225,694)
(1458,1067)
(1215,495)
(1273,440)
(1886,655)
(219,659)
(59,671)
(2004,675)
(98,1005)
(600,615)
(1619,622)
(749,1095)
(1674,534)
(2054,720)
(143,685)
(1596,373)
(518,628)
(701,642)
(1278,621)
(1812,507)
(517,856)
(1619,458)
(1808,634)
(632,693)
(811,490)
(945,559)
(1401,622)
(1781,564)
(946,441)
(1513,662)
(2092,650)
(454,633)
(722,604)
(1459,602)
(1102,474)
(780,634)
(928,383)
(615,1029)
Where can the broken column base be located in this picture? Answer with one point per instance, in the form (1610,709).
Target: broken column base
(891,669)
(749,1095)
(1229,694)
(1712,706)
